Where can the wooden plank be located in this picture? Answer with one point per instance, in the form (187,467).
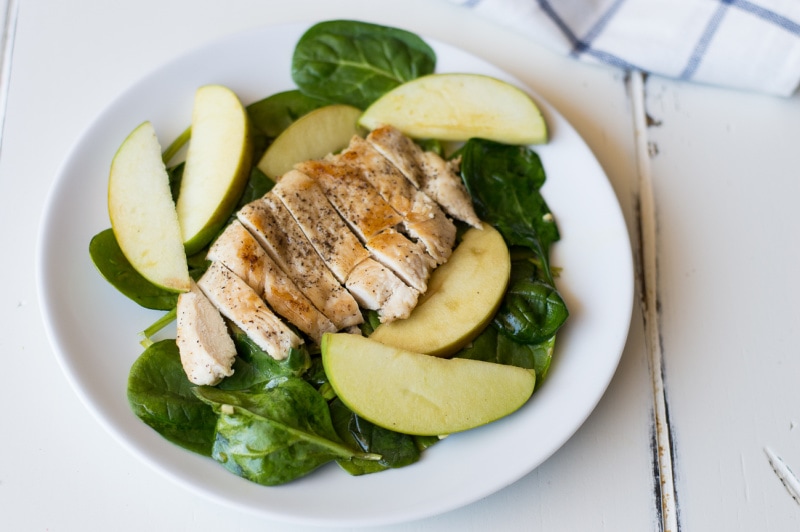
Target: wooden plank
(648,281)
(726,186)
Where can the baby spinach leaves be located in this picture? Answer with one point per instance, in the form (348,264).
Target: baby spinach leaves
(504,182)
(531,312)
(269,426)
(160,395)
(271,115)
(393,449)
(354,62)
(493,346)
(254,366)
(274,432)
(117,270)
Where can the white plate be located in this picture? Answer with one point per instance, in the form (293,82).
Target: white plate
(93,328)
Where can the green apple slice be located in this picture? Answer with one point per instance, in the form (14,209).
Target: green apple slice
(458,107)
(463,294)
(314,135)
(142,212)
(217,165)
(419,394)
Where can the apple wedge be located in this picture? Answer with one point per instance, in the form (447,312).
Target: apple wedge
(217,165)
(463,294)
(320,132)
(142,212)
(458,107)
(419,394)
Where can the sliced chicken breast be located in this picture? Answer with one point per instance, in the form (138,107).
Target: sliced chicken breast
(339,247)
(424,220)
(427,170)
(236,248)
(241,253)
(357,201)
(206,348)
(376,287)
(408,259)
(441,182)
(280,236)
(373,285)
(238,302)
(405,258)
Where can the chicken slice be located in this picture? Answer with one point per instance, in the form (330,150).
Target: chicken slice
(376,287)
(236,248)
(241,253)
(424,220)
(405,258)
(338,246)
(392,144)
(358,202)
(238,302)
(429,172)
(206,348)
(368,215)
(280,236)
(441,182)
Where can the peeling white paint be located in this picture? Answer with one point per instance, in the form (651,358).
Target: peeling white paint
(785,475)
(649,280)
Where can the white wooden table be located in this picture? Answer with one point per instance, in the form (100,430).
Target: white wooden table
(700,426)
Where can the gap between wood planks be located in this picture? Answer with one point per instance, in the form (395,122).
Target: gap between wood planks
(647,265)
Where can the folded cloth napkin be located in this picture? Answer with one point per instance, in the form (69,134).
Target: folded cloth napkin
(744,44)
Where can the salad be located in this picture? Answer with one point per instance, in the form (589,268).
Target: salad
(288,419)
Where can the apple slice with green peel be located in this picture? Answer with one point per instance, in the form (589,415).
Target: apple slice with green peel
(463,294)
(459,107)
(217,165)
(419,394)
(320,132)
(142,212)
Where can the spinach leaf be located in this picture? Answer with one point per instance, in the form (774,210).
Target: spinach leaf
(254,366)
(175,174)
(275,432)
(426,442)
(493,346)
(394,448)
(523,330)
(532,311)
(115,268)
(160,395)
(371,322)
(275,113)
(354,62)
(257,185)
(504,182)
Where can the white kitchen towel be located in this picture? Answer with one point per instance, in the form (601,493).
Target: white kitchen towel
(744,44)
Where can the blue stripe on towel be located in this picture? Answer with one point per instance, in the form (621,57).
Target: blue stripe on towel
(583,46)
(767,14)
(705,39)
(600,24)
(715,21)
